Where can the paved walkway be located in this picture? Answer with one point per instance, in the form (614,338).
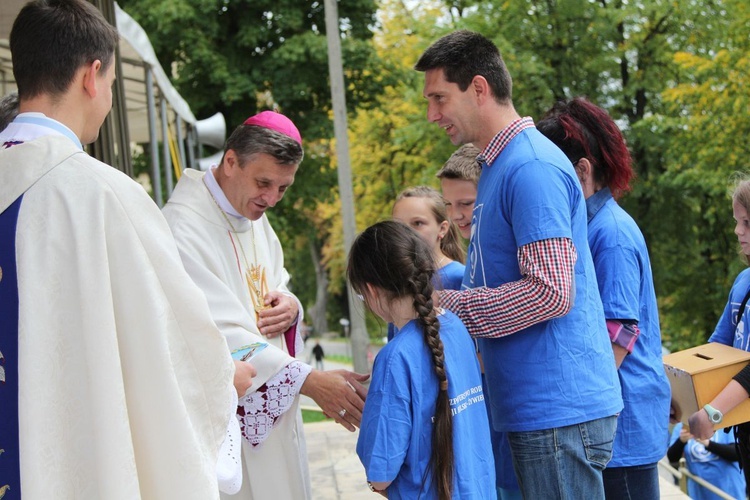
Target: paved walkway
(336,472)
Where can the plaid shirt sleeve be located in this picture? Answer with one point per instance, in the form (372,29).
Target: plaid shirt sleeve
(545,291)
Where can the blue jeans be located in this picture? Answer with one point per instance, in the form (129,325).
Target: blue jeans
(564,463)
(508,494)
(638,482)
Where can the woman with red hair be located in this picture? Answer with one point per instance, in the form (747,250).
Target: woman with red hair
(594,144)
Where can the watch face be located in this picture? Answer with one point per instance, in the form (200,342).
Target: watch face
(715,418)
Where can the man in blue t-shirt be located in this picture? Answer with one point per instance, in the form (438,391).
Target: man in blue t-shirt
(530,296)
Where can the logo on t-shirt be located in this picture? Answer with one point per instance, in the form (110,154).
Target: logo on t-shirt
(475,261)
(740,336)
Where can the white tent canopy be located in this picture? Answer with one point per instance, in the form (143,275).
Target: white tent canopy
(137,53)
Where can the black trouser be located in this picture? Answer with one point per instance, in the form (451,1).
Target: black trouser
(742,435)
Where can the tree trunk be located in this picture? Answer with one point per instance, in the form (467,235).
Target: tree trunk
(318,311)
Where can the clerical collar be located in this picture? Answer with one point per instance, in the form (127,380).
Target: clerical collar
(213,187)
(41,120)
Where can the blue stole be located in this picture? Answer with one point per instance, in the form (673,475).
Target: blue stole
(10,466)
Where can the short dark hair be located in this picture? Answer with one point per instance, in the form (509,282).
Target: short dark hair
(249,140)
(465,54)
(52,39)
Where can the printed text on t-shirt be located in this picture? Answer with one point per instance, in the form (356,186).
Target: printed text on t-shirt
(466,399)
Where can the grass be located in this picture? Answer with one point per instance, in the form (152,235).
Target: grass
(312,416)
(339,358)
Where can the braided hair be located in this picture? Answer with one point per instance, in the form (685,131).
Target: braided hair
(391,256)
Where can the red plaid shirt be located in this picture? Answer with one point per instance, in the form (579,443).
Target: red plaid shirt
(545,291)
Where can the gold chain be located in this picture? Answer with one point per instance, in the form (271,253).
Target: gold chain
(255,275)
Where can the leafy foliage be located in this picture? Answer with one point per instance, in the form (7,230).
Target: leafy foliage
(633,58)
(673,74)
(710,108)
(242,56)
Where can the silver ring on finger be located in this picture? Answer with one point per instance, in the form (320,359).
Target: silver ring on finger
(342,413)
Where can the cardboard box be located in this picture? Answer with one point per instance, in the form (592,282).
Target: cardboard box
(698,374)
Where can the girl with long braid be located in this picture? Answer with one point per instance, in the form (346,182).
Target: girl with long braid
(424,432)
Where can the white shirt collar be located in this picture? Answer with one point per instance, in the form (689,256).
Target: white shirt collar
(29,126)
(213,187)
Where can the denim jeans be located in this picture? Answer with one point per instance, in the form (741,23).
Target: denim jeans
(564,463)
(638,482)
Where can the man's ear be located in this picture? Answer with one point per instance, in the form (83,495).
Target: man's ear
(90,73)
(231,162)
(481,88)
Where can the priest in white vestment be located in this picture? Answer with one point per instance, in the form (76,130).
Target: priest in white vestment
(114,383)
(233,254)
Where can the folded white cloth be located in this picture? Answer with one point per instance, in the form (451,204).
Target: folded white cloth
(229,465)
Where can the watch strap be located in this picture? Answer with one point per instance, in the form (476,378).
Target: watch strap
(714,415)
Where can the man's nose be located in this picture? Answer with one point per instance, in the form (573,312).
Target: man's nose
(433,115)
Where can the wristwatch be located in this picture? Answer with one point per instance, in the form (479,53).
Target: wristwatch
(714,415)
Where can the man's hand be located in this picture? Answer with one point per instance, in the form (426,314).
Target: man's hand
(338,390)
(280,316)
(243,376)
(700,426)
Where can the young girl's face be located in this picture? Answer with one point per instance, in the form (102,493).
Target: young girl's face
(742,226)
(417,213)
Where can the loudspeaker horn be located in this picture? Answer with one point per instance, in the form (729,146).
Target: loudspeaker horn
(212,131)
(209,161)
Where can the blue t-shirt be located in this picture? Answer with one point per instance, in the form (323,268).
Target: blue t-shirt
(562,371)
(450,277)
(395,438)
(718,471)
(727,331)
(623,271)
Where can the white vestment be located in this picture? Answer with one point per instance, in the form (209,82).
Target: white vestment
(217,257)
(125,386)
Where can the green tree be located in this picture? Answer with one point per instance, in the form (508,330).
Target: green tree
(709,118)
(241,56)
(622,56)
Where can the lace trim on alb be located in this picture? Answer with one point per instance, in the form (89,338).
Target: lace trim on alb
(258,412)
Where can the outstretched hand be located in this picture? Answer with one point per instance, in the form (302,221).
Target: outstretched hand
(339,393)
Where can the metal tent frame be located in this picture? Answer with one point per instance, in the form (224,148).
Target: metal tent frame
(147,109)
